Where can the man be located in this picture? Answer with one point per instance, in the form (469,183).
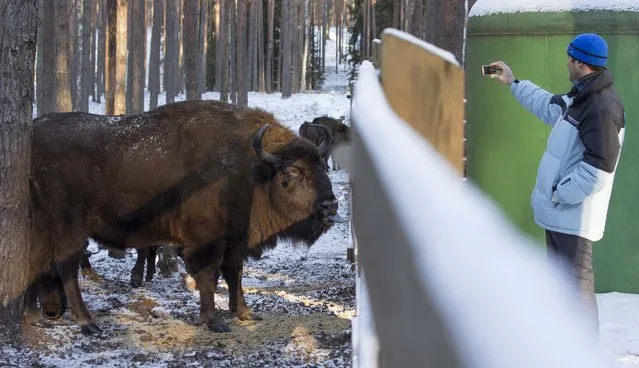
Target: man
(576,173)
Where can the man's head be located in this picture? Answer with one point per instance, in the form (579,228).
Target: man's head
(587,53)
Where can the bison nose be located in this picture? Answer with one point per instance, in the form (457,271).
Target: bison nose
(331,204)
(329,209)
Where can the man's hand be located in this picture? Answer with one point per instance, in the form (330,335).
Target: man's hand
(504,74)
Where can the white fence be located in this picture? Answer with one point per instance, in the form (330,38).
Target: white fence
(446,280)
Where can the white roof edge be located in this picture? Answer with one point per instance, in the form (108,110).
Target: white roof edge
(494,7)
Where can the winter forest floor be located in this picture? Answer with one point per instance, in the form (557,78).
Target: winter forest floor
(306,296)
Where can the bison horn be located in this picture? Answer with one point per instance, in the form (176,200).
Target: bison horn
(257,146)
(326,144)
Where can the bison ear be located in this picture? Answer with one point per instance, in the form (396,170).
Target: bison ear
(263,173)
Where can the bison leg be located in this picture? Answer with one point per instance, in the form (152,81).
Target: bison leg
(237,304)
(31,314)
(168,264)
(52,297)
(69,269)
(138,270)
(205,272)
(87,270)
(150,263)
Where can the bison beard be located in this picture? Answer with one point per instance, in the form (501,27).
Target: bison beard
(222,181)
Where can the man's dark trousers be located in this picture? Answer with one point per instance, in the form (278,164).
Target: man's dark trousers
(574,253)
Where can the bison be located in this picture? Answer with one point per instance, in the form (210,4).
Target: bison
(222,181)
(340,131)
(321,136)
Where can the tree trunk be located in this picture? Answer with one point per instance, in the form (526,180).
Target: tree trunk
(338,22)
(203,45)
(251,54)
(445,25)
(119,106)
(46,51)
(260,47)
(102,46)
(154,57)
(191,50)
(62,60)
(233,49)
(109,76)
(179,77)
(85,77)
(171,55)
(294,12)
(74,53)
(269,46)
(92,49)
(219,45)
(311,41)
(242,69)
(286,44)
(305,59)
(225,51)
(137,58)
(17,55)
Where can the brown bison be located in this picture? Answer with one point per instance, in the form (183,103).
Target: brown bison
(223,182)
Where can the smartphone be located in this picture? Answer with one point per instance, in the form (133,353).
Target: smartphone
(489,69)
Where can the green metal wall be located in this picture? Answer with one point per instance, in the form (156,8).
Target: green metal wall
(505,141)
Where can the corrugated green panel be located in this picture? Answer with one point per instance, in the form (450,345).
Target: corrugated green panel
(617,254)
(505,141)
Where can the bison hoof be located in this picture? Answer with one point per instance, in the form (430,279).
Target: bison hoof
(220,327)
(53,314)
(136,282)
(248,316)
(90,329)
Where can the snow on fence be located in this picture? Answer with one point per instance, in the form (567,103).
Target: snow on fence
(445,280)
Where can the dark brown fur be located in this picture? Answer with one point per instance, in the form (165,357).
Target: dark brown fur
(320,136)
(340,131)
(185,173)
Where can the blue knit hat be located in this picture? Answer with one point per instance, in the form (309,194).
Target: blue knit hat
(589,48)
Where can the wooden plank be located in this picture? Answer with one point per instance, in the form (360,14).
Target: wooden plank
(426,91)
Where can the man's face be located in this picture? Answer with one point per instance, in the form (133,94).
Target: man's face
(574,69)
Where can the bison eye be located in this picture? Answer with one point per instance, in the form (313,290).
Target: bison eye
(290,173)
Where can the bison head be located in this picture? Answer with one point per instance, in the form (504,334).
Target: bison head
(299,189)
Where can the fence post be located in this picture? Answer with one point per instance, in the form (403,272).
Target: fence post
(426,89)
(376,54)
